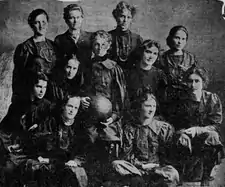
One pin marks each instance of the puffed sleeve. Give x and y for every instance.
(165, 142)
(214, 116)
(20, 56)
(128, 138)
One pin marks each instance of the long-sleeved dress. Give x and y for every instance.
(23, 57)
(145, 144)
(107, 79)
(155, 78)
(123, 48)
(206, 113)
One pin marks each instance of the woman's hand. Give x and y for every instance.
(43, 160)
(108, 121)
(85, 102)
(71, 163)
(14, 148)
(185, 141)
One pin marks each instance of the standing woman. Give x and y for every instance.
(123, 40)
(176, 61)
(37, 45)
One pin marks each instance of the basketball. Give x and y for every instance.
(100, 107)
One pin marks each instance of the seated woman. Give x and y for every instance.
(146, 144)
(25, 115)
(106, 79)
(145, 74)
(174, 62)
(65, 81)
(197, 118)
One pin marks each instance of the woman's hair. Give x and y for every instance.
(173, 31)
(70, 8)
(32, 16)
(201, 72)
(35, 77)
(102, 34)
(66, 99)
(121, 6)
(146, 45)
(36, 64)
(70, 57)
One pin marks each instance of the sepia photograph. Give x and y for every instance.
(112, 93)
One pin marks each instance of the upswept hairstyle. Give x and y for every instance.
(198, 71)
(123, 5)
(71, 7)
(32, 16)
(146, 45)
(173, 31)
(102, 34)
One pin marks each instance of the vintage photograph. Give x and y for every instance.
(112, 93)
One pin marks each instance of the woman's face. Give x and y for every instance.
(71, 68)
(40, 89)
(100, 46)
(195, 83)
(150, 55)
(179, 40)
(148, 108)
(71, 108)
(74, 20)
(40, 25)
(124, 20)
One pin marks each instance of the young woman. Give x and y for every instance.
(197, 118)
(68, 80)
(175, 62)
(146, 146)
(37, 45)
(145, 74)
(124, 42)
(25, 121)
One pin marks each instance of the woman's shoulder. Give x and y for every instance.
(209, 96)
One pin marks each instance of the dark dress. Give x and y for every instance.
(66, 46)
(199, 161)
(59, 86)
(123, 47)
(22, 115)
(174, 66)
(23, 57)
(107, 79)
(145, 144)
(155, 78)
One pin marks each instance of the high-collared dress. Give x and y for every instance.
(23, 56)
(124, 44)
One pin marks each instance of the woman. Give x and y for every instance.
(66, 81)
(124, 42)
(146, 146)
(37, 45)
(175, 62)
(197, 119)
(21, 127)
(146, 74)
(107, 79)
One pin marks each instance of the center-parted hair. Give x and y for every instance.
(172, 33)
(201, 72)
(121, 6)
(32, 16)
(70, 8)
